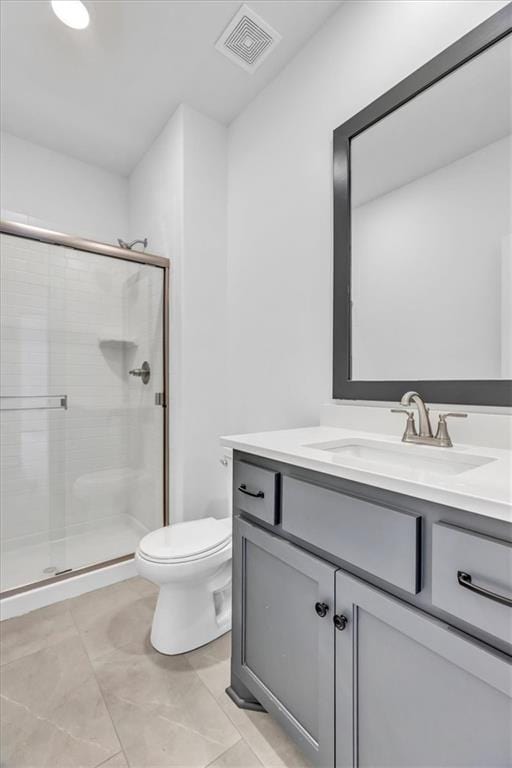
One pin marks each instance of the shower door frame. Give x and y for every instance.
(29, 232)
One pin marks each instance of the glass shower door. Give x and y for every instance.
(82, 438)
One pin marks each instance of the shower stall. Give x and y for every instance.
(83, 395)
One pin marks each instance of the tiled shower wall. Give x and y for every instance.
(74, 323)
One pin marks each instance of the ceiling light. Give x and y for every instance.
(73, 13)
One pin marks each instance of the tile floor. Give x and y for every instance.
(81, 687)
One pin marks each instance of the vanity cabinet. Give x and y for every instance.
(364, 662)
(411, 691)
(283, 648)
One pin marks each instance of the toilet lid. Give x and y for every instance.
(186, 540)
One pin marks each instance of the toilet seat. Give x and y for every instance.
(186, 542)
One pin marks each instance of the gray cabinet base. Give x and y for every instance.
(242, 702)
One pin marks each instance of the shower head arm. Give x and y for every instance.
(129, 246)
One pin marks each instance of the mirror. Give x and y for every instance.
(432, 231)
(423, 232)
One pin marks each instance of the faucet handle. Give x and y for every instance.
(410, 427)
(442, 428)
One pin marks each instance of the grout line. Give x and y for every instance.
(109, 713)
(113, 723)
(121, 752)
(223, 753)
(100, 689)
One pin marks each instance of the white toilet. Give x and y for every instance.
(191, 563)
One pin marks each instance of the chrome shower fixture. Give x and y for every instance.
(129, 246)
(144, 372)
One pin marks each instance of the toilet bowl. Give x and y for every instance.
(190, 562)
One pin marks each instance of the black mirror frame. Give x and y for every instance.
(467, 392)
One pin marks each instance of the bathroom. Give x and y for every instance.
(255, 385)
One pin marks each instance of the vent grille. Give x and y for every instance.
(247, 40)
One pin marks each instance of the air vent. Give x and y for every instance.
(248, 40)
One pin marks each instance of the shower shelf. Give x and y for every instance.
(112, 341)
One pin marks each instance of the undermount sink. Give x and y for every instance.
(384, 457)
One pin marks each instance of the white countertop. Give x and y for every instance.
(486, 490)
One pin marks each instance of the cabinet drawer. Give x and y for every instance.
(488, 562)
(382, 541)
(256, 491)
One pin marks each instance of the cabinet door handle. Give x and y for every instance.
(258, 495)
(340, 622)
(466, 581)
(321, 609)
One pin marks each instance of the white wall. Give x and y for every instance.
(177, 197)
(48, 189)
(426, 277)
(155, 211)
(204, 315)
(280, 199)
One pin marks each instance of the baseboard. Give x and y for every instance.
(39, 597)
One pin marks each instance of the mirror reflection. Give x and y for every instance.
(431, 231)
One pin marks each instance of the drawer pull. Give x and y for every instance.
(321, 609)
(243, 489)
(466, 581)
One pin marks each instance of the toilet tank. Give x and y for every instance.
(227, 464)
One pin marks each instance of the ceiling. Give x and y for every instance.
(103, 94)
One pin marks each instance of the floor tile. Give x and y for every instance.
(118, 761)
(33, 631)
(53, 713)
(212, 663)
(239, 756)
(111, 617)
(162, 712)
(142, 586)
(264, 736)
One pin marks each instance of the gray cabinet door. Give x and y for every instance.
(283, 651)
(411, 691)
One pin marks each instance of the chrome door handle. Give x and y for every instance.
(465, 580)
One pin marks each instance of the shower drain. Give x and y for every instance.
(53, 569)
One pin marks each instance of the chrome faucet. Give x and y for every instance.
(425, 436)
(424, 418)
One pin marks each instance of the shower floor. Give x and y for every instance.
(101, 541)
